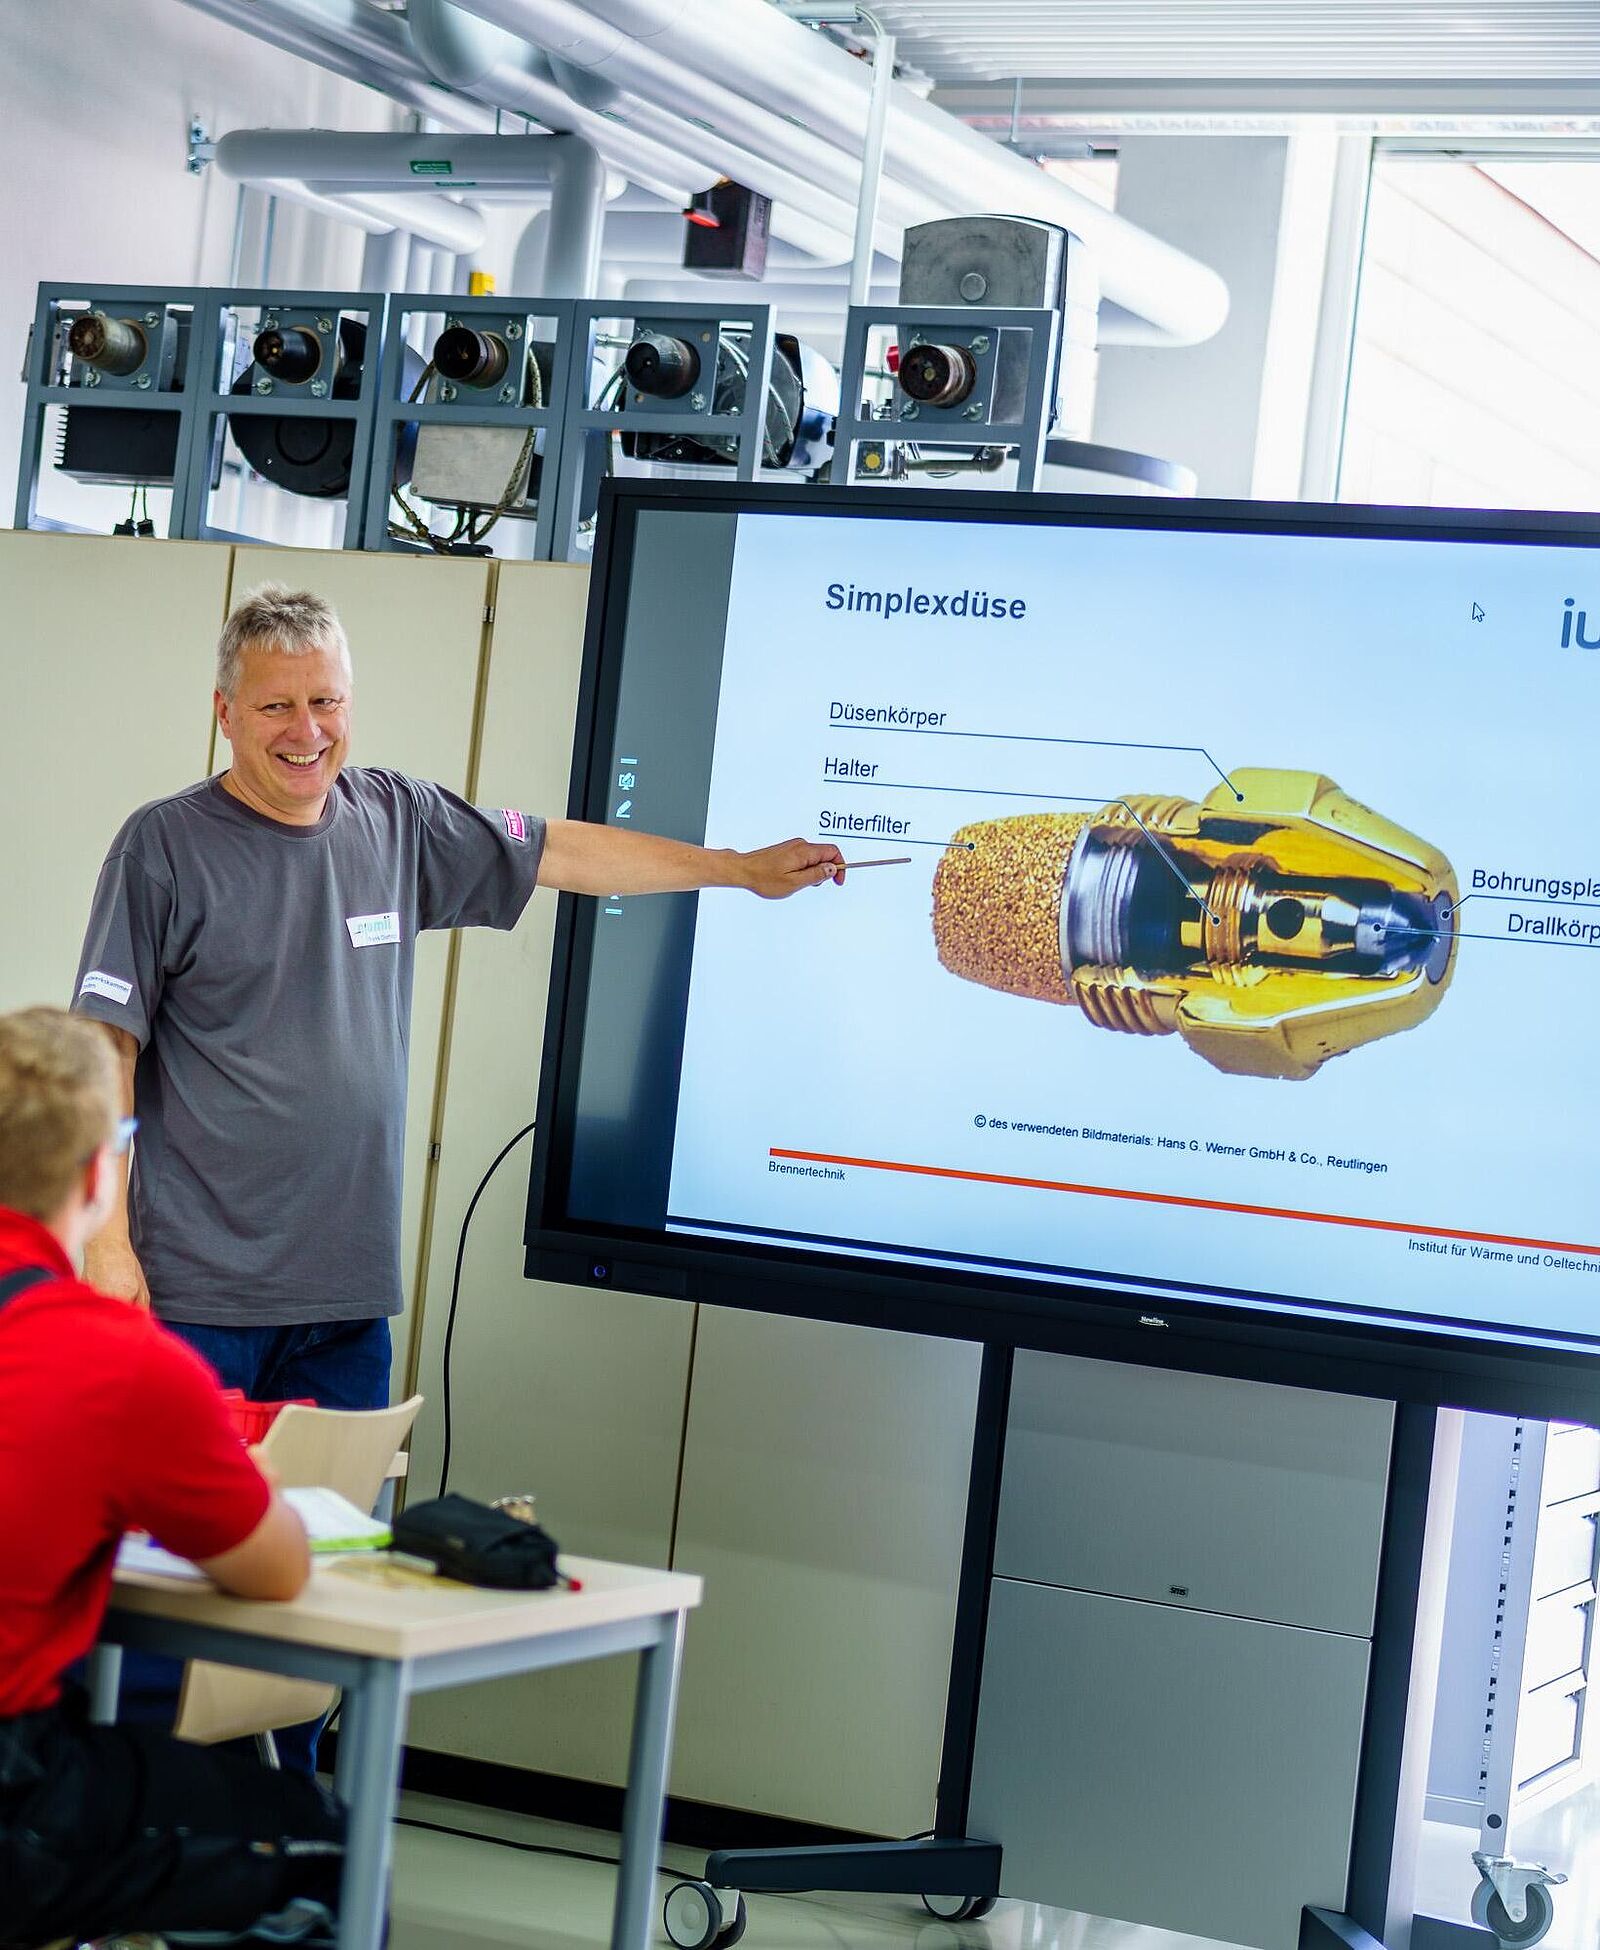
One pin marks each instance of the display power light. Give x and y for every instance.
(1272, 925)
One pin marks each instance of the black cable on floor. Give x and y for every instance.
(525, 1848)
(455, 1295)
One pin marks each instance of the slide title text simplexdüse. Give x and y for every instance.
(979, 605)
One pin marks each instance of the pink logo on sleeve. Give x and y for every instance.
(516, 824)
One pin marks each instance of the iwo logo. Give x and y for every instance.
(1573, 625)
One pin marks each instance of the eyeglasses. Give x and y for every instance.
(126, 1126)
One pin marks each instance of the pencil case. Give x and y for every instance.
(469, 1541)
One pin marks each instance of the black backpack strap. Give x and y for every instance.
(20, 1281)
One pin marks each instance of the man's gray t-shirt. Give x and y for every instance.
(266, 972)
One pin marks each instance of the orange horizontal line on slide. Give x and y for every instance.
(1195, 1204)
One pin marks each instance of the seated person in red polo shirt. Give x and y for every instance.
(109, 1423)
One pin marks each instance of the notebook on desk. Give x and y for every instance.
(333, 1525)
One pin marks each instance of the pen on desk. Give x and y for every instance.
(855, 866)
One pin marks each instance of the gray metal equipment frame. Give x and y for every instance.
(587, 426)
(967, 423)
(208, 345)
(42, 391)
(376, 1694)
(392, 410)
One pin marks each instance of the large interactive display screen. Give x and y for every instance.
(1221, 954)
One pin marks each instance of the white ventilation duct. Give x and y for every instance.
(281, 26)
(799, 93)
(790, 74)
(383, 50)
(779, 158)
(390, 175)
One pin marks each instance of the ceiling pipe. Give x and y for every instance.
(444, 225)
(410, 89)
(467, 48)
(792, 71)
(384, 258)
(385, 173)
(644, 85)
(1153, 293)
(378, 51)
(289, 163)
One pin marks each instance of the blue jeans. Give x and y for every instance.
(336, 1364)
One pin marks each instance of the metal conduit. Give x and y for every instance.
(1153, 293)
(1162, 294)
(645, 84)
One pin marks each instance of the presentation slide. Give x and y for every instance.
(1224, 914)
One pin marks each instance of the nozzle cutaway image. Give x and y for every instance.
(1271, 925)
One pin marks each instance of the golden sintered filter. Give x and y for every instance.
(1272, 925)
(997, 906)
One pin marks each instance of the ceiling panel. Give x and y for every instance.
(982, 40)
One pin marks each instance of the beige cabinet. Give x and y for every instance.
(824, 1493)
(109, 649)
(576, 1396)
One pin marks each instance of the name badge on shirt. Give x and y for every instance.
(372, 930)
(112, 987)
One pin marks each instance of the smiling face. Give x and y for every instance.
(288, 722)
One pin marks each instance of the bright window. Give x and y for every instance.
(1475, 379)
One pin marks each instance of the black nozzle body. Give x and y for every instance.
(115, 345)
(664, 368)
(938, 375)
(469, 357)
(291, 354)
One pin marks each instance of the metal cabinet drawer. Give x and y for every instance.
(1234, 1497)
(1566, 1551)
(1558, 1638)
(1151, 1764)
(1571, 1463)
(1549, 1725)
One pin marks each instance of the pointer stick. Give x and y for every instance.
(901, 860)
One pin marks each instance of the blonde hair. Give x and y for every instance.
(60, 1099)
(290, 621)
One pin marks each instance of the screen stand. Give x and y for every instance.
(963, 1873)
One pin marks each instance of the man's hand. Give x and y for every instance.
(775, 872)
(111, 1265)
(580, 858)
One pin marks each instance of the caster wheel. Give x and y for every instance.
(694, 1917)
(1489, 1913)
(959, 1909)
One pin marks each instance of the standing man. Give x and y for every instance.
(250, 948)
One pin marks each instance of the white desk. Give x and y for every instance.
(383, 1632)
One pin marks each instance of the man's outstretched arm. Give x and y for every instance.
(585, 859)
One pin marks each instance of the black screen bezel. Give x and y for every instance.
(1200, 1332)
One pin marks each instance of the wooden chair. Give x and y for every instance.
(348, 1450)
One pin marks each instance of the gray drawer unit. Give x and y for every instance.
(1571, 1463)
(1560, 1631)
(1155, 1765)
(1549, 1732)
(1512, 1724)
(1223, 1496)
(1565, 1556)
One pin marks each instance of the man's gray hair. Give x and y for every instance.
(290, 621)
